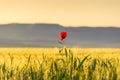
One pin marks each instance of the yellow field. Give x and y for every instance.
(26, 63)
(80, 52)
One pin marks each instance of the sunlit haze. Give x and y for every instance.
(65, 12)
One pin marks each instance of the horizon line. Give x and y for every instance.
(60, 25)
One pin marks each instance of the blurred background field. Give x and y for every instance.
(95, 52)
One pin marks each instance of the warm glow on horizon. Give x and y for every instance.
(64, 12)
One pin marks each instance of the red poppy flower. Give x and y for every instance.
(62, 35)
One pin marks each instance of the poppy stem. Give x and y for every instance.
(62, 46)
(61, 42)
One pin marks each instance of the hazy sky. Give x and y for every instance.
(64, 12)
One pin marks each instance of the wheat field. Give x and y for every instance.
(59, 64)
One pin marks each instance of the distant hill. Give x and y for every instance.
(46, 35)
